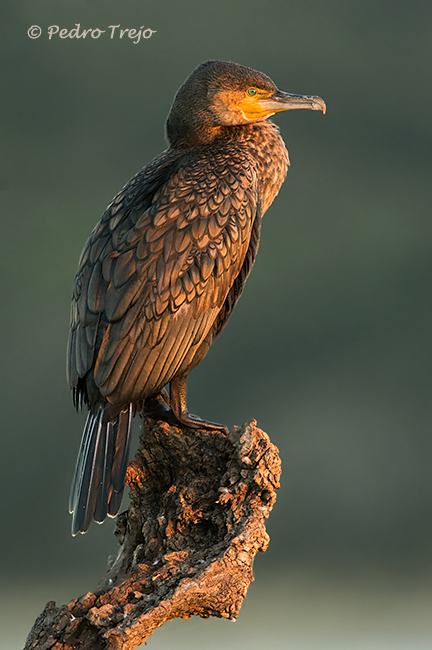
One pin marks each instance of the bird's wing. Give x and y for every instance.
(152, 278)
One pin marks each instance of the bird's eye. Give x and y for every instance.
(251, 92)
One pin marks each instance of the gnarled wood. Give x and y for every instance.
(187, 541)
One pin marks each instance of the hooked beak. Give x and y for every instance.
(281, 101)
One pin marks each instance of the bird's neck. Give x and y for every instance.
(265, 144)
(260, 141)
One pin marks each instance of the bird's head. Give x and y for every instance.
(219, 94)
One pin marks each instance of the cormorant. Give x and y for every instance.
(162, 270)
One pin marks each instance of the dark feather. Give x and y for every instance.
(101, 468)
(96, 290)
(80, 460)
(86, 473)
(124, 269)
(115, 502)
(101, 503)
(122, 446)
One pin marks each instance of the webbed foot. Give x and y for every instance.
(178, 406)
(195, 422)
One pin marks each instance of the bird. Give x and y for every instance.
(163, 269)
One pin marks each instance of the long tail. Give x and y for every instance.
(98, 483)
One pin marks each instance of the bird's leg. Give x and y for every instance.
(178, 407)
(157, 407)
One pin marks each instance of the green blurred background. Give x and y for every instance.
(329, 347)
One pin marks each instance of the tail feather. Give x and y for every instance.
(92, 474)
(79, 464)
(87, 473)
(98, 483)
(121, 457)
(101, 504)
(115, 502)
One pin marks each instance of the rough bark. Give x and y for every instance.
(187, 541)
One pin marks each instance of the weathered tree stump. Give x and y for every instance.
(187, 541)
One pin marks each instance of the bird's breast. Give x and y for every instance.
(270, 154)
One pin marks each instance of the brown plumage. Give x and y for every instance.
(164, 267)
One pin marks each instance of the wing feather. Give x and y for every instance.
(157, 270)
(124, 269)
